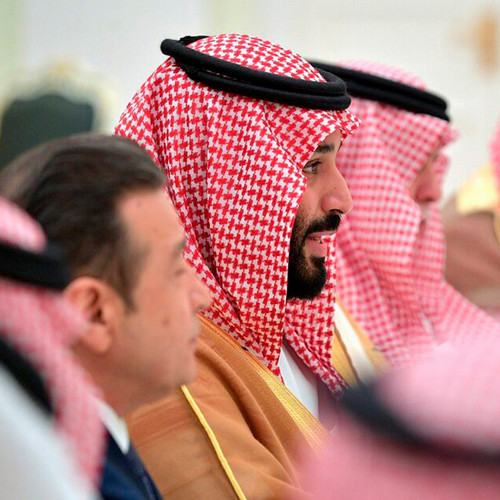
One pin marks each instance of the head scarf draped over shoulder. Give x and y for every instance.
(390, 271)
(41, 326)
(234, 167)
(448, 406)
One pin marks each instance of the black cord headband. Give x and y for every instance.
(376, 88)
(363, 403)
(230, 77)
(25, 374)
(42, 269)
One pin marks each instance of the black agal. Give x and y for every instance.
(230, 77)
(376, 88)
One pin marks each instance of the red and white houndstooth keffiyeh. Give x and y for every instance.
(234, 166)
(41, 325)
(390, 273)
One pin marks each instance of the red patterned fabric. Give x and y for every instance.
(234, 169)
(451, 400)
(390, 267)
(41, 325)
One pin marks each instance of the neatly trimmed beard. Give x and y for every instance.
(307, 277)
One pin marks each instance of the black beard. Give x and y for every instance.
(306, 278)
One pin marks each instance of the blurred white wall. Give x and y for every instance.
(9, 37)
(436, 40)
(119, 39)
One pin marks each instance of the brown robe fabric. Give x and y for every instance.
(263, 430)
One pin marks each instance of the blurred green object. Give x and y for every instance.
(28, 122)
(63, 98)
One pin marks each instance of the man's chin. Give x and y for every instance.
(308, 285)
(426, 210)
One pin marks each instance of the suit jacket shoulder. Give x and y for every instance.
(119, 480)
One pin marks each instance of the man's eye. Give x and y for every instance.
(311, 168)
(180, 269)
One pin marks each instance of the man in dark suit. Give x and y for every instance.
(101, 199)
(118, 482)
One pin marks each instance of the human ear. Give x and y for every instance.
(95, 300)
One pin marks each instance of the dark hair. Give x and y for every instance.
(71, 186)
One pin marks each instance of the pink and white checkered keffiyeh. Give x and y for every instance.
(234, 169)
(41, 325)
(390, 271)
(450, 400)
(495, 153)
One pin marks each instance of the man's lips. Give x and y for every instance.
(195, 334)
(193, 342)
(316, 243)
(320, 235)
(425, 211)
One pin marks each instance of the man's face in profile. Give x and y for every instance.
(160, 334)
(325, 200)
(425, 188)
(307, 274)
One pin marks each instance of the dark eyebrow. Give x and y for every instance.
(178, 249)
(326, 148)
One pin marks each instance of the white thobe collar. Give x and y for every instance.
(115, 425)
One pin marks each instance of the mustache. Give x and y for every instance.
(329, 223)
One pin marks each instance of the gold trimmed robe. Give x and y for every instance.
(236, 432)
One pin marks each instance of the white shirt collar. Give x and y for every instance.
(299, 379)
(115, 425)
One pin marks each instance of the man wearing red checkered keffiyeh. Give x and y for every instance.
(238, 170)
(390, 250)
(471, 221)
(38, 325)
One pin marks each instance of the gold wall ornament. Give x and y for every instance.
(482, 34)
(479, 193)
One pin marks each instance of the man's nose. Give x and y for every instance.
(201, 297)
(336, 196)
(428, 189)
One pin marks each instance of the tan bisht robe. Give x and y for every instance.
(236, 432)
